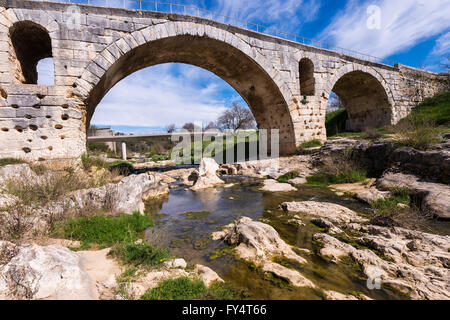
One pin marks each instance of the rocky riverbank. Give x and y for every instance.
(385, 251)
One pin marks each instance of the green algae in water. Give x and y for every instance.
(196, 215)
(220, 252)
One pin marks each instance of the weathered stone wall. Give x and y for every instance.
(95, 48)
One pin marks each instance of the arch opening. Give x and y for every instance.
(360, 97)
(240, 71)
(31, 43)
(307, 82)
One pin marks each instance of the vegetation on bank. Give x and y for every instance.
(120, 167)
(397, 210)
(101, 230)
(140, 254)
(338, 169)
(191, 289)
(419, 130)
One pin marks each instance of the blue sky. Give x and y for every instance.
(411, 32)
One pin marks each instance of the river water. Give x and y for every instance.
(184, 221)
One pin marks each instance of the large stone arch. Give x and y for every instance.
(205, 46)
(365, 94)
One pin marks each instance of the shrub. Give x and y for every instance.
(142, 254)
(103, 231)
(88, 162)
(288, 176)
(124, 168)
(416, 131)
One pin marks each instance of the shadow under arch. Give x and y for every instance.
(366, 100)
(232, 65)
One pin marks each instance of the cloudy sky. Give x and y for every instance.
(412, 32)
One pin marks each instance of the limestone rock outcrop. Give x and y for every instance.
(206, 176)
(259, 242)
(45, 272)
(413, 262)
(331, 211)
(272, 185)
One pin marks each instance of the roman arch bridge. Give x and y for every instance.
(285, 83)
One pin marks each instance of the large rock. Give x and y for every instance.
(275, 186)
(256, 240)
(207, 275)
(260, 243)
(435, 196)
(331, 211)
(123, 197)
(206, 176)
(49, 272)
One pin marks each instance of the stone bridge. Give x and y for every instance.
(285, 83)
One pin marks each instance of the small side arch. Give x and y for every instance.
(366, 96)
(31, 43)
(307, 81)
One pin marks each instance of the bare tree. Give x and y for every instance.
(210, 125)
(446, 63)
(334, 103)
(170, 128)
(236, 117)
(189, 126)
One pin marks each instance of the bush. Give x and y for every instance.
(88, 162)
(288, 176)
(417, 132)
(186, 289)
(140, 254)
(124, 168)
(103, 231)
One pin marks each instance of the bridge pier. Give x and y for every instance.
(124, 150)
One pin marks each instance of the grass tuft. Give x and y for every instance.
(140, 254)
(187, 289)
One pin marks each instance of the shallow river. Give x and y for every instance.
(184, 221)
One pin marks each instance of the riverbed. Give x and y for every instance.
(184, 221)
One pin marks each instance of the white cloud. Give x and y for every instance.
(287, 15)
(404, 23)
(442, 46)
(164, 94)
